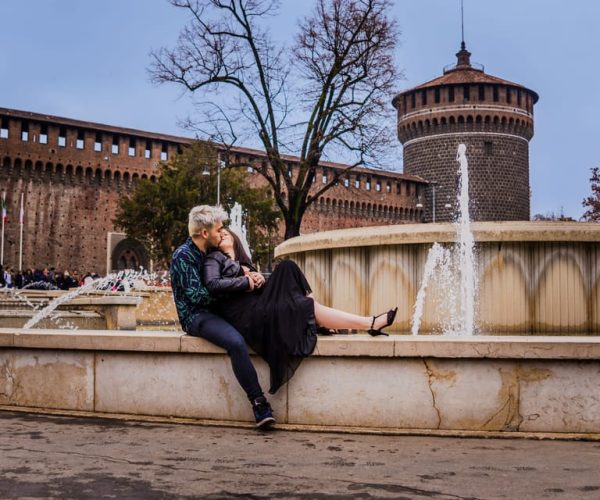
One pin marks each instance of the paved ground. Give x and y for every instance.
(66, 457)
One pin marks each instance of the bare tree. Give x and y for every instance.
(592, 202)
(328, 96)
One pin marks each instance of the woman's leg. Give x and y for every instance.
(336, 319)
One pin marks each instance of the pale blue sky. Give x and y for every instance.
(87, 59)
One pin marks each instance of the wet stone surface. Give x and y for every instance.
(66, 457)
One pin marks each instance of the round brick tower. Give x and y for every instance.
(493, 117)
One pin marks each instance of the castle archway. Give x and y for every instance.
(129, 254)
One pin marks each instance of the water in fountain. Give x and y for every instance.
(452, 270)
(238, 227)
(437, 257)
(123, 280)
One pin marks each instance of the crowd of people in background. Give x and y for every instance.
(44, 279)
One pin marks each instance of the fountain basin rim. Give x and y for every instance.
(403, 234)
(356, 345)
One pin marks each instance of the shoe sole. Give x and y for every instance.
(265, 423)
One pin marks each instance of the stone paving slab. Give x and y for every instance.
(65, 457)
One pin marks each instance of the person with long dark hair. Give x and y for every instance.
(193, 303)
(277, 318)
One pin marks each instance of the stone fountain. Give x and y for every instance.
(518, 278)
(530, 370)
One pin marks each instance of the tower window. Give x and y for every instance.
(404, 101)
(98, 142)
(346, 182)
(368, 184)
(115, 145)
(508, 96)
(378, 185)
(4, 128)
(131, 149)
(80, 139)
(164, 152)
(519, 97)
(466, 92)
(43, 133)
(496, 95)
(357, 182)
(413, 100)
(488, 148)
(424, 97)
(324, 177)
(148, 150)
(388, 187)
(436, 93)
(24, 131)
(62, 137)
(481, 92)
(451, 94)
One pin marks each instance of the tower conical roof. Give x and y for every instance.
(464, 72)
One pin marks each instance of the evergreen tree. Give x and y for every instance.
(156, 213)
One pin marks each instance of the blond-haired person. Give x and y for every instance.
(193, 300)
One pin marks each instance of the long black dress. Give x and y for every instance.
(277, 321)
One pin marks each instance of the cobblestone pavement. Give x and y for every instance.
(67, 457)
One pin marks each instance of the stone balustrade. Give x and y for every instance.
(492, 385)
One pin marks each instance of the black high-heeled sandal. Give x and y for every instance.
(391, 315)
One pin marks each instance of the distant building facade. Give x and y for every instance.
(72, 174)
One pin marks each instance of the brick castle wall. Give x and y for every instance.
(498, 175)
(66, 218)
(72, 174)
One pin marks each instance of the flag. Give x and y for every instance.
(4, 211)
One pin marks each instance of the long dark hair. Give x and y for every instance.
(240, 253)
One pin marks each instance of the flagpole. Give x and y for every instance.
(3, 218)
(21, 239)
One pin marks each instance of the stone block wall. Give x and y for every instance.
(498, 174)
(66, 218)
(72, 174)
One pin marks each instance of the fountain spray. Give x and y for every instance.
(453, 269)
(466, 244)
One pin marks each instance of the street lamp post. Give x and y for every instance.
(206, 171)
(218, 179)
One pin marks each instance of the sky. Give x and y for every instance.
(88, 60)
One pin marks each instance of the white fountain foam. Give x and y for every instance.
(123, 278)
(434, 257)
(466, 247)
(452, 271)
(238, 227)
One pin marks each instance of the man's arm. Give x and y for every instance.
(186, 275)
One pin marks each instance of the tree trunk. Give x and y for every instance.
(292, 226)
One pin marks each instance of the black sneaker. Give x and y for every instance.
(263, 413)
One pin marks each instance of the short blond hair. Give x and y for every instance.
(204, 217)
